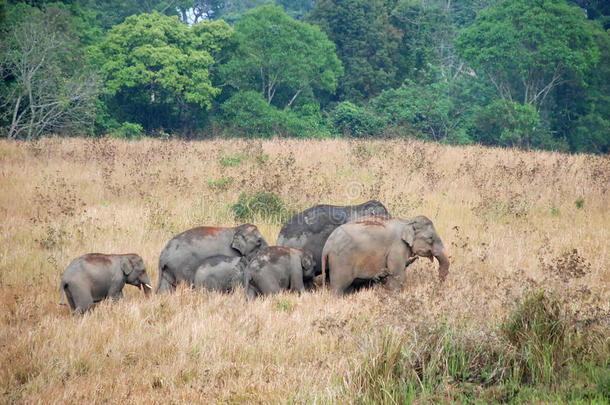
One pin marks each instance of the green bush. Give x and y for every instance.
(351, 120)
(127, 130)
(261, 206)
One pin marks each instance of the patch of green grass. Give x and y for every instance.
(221, 183)
(529, 358)
(234, 160)
(261, 206)
(580, 203)
(283, 304)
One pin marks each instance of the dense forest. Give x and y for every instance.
(522, 73)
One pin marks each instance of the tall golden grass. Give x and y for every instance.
(511, 220)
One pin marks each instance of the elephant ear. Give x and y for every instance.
(239, 242)
(307, 261)
(408, 235)
(127, 266)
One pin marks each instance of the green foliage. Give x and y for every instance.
(351, 120)
(425, 110)
(580, 203)
(247, 114)
(366, 44)
(281, 57)
(231, 160)
(127, 130)
(221, 183)
(512, 124)
(261, 206)
(533, 356)
(538, 332)
(528, 48)
(160, 68)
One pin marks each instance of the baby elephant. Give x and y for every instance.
(220, 273)
(95, 276)
(276, 268)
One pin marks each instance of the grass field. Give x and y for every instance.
(524, 314)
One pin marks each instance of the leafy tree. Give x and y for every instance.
(45, 84)
(247, 114)
(113, 12)
(157, 69)
(366, 44)
(510, 123)
(281, 57)
(351, 120)
(527, 49)
(425, 110)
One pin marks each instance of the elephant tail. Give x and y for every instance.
(68, 294)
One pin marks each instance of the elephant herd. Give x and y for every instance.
(350, 246)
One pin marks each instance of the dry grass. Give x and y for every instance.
(511, 220)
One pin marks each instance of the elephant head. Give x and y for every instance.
(419, 234)
(308, 265)
(134, 270)
(248, 240)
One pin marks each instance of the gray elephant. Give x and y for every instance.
(277, 268)
(220, 273)
(378, 249)
(185, 252)
(309, 229)
(96, 276)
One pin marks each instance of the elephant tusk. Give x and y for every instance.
(148, 285)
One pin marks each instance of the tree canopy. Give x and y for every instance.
(521, 73)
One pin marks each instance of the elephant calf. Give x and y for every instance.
(220, 273)
(95, 276)
(276, 268)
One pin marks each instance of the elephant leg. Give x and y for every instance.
(396, 273)
(251, 291)
(165, 285)
(82, 299)
(340, 283)
(267, 285)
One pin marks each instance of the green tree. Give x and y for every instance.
(281, 58)
(157, 69)
(528, 48)
(367, 44)
(45, 85)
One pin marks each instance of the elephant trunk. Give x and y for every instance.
(443, 265)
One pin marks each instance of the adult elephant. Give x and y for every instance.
(309, 229)
(183, 254)
(96, 276)
(378, 248)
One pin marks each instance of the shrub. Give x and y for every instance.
(267, 207)
(537, 331)
(349, 119)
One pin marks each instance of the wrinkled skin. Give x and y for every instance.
(95, 276)
(309, 229)
(220, 273)
(185, 252)
(379, 249)
(277, 268)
